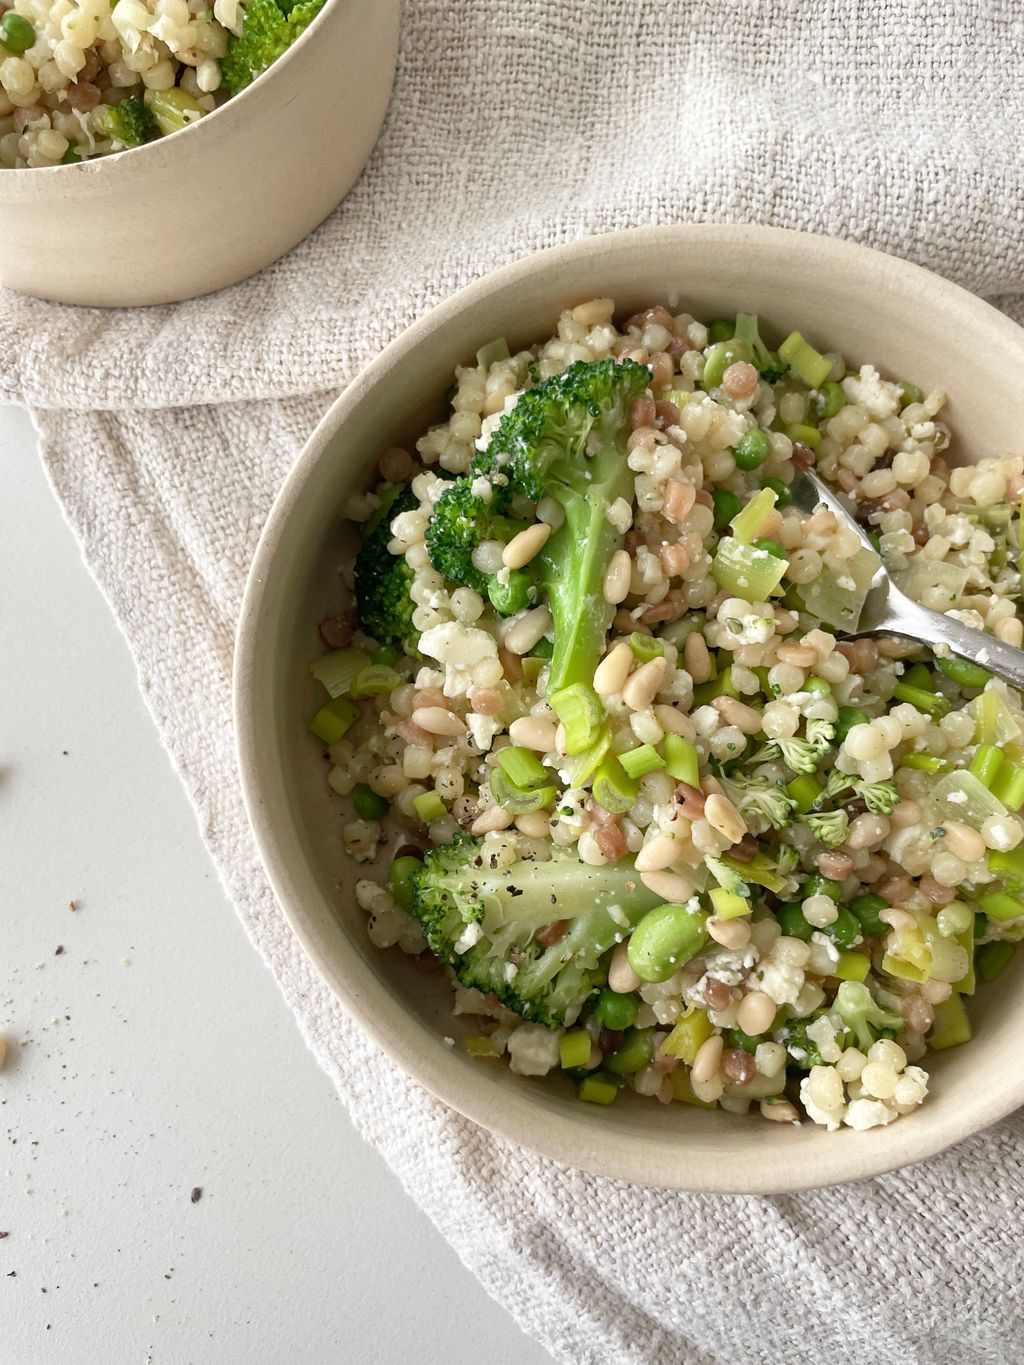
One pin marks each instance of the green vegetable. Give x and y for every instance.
(925, 763)
(518, 800)
(579, 709)
(512, 595)
(849, 716)
(337, 669)
(130, 123)
(768, 365)
(384, 580)
(782, 493)
(173, 109)
(756, 796)
(746, 571)
(1008, 785)
(844, 931)
(681, 760)
(635, 1053)
(721, 330)
(667, 937)
(952, 1026)
(456, 888)
(932, 703)
(985, 764)
(645, 647)
(804, 434)
(522, 767)
(862, 1015)
(771, 547)
(829, 400)
(960, 796)
(597, 1089)
(375, 680)
(491, 353)
(851, 966)
(429, 806)
(16, 33)
(613, 790)
(749, 520)
(752, 449)
(964, 673)
(639, 762)
(833, 600)
(565, 439)
(574, 1048)
(991, 958)
(719, 357)
(268, 30)
(910, 393)
(866, 909)
(332, 721)
(739, 877)
(616, 1011)
(368, 805)
(992, 719)
(1001, 905)
(726, 505)
(803, 1051)
(817, 885)
(727, 905)
(805, 791)
(793, 922)
(400, 879)
(71, 157)
(807, 363)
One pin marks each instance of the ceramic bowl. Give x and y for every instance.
(219, 200)
(873, 308)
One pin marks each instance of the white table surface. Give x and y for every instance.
(150, 1053)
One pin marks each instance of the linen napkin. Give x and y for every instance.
(167, 432)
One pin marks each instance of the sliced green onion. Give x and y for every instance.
(1008, 865)
(491, 353)
(597, 1089)
(429, 806)
(479, 1045)
(645, 647)
(747, 522)
(931, 703)
(952, 1026)
(368, 805)
(991, 958)
(374, 680)
(638, 762)
(806, 435)
(1001, 905)
(985, 764)
(722, 686)
(746, 571)
(334, 720)
(728, 905)
(579, 768)
(1008, 785)
(513, 799)
(964, 673)
(613, 790)
(522, 767)
(579, 709)
(400, 875)
(925, 763)
(806, 363)
(574, 1048)
(805, 791)
(681, 760)
(851, 966)
(829, 401)
(337, 669)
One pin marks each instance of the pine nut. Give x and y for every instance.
(1010, 631)
(675, 722)
(697, 657)
(672, 885)
(534, 824)
(642, 686)
(736, 713)
(731, 933)
(522, 548)
(437, 720)
(661, 852)
(721, 814)
(778, 1111)
(756, 1011)
(533, 732)
(617, 578)
(494, 817)
(964, 842)
(613, 670)
(524, 633)
(621, 976)
(708, 1060)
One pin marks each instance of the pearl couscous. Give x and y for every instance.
(80, 78)
(665, 829)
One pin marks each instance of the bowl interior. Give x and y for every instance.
(872, 308)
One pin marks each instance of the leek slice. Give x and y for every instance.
(960, 796)
(746, 571)
(839, 601)
(337, 669)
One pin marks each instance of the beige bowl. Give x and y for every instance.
(216, 202)
(872, 307)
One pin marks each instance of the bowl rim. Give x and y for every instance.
(352, 980)
(91, 164)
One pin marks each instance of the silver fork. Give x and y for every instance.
(889, 611)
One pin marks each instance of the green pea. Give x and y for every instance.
(848, 717)
(782, 493)
(867, 909)
(752, 449)
(817, 885)
(71, 157)
(910, 393)
(963, 673)
(368, 805)
(792, 922)
(726, 506)
(666, 938)
(844, 931)
(386, 655)
(772, 547)
(720, 356)
(635, 1053)
(815, 684)
(16, 33)
(400, 875)
(876, 541)
(721, 330)
(829, 401)
(616, 1011)
(508, 598)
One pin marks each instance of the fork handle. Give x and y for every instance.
(908, 619)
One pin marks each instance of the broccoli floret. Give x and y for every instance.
(797, 754)
(829, 826)
(268, 29)
(130, 122)
(768, 364)
(460, 521)
(881, 798)
(756, 796)
(565, 439)
(803, 1051)
(863, 1016)
(820, 734)
(384, 580)
(484, 921)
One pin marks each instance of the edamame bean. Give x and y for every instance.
(666, 938)
(634, 1054)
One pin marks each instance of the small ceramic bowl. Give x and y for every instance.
(219, 200)
(870, 306)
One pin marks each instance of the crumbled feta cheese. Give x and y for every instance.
(878, 398)
(863, 1114)
(470, 936)
(533, 1050)
(483, 729)
(460, 648)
